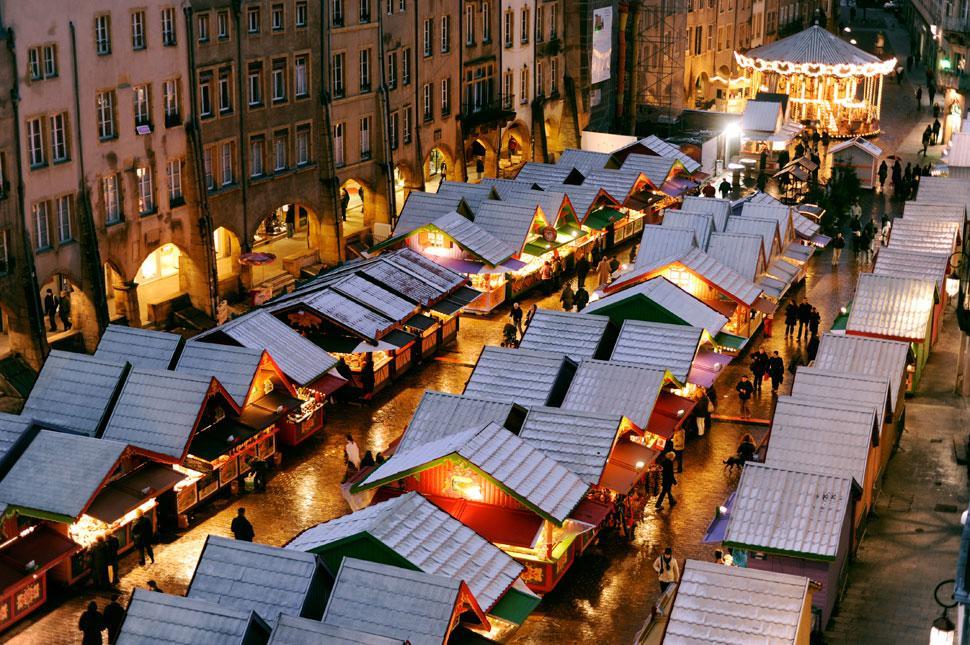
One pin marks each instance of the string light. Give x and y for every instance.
(843, 70)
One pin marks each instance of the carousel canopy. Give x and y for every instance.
(814, 52)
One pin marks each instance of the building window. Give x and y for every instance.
(210, 179)
(102, 34)
(170, 96)
(64, 233)
(33, 64)
(540, 23)
(255, 84)
(337, 14)
(203, 27)
(507, 28)
(507, 89)
(138, 30)
(146, 190)
(50, 61)
(256, 157)
(279, 80)
(524, 26)
(42, 225)
(222, 25)
(540, 79)
(35, 143)
(445, 33)
(168, 27)
(553, 21)
(112, 205)
(173, 177)
(427, 37)
(228, 155)
(365, 70)
(141, 103)
(445, 96)
(276, 16)
(106, 115)
(406, 67)
(280, 144)
(338, 75)
(58, 124)
(402, 5)
(392, 135)
(392, 70)
(486, 22)
(302, 145)
(554, 69)
(469, 24)
(252, 20)
(301, 9)
(300, 87)
(406, 130)
(205, 96)
(338, 145)
(524, 86)
(365, 137)
(364, 11)
(428, 113)
(225, 91)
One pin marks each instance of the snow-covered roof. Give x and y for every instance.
(577, 335)
(892, 307)
(608, 387)
(659, 346)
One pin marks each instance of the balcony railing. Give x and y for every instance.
(488, 113)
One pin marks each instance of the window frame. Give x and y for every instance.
(257, 157)
(139, 106)
(145, 185)
(277, 10)
(41, 233)
(169, 37)
(363, 70)
(102, 41)
(445, 106)
(445, 34)
(36, 153)
(139, 39)
(278, 81)
(303, 134)
(202, 27)
(281, 136)
(222, 25)
(253, 20)
(227, 158)
(364, 137)
(301, 7)
(299, 61)
(105, 108)
(63, 209)
(111, 196)
(49, 65)
(173, 181)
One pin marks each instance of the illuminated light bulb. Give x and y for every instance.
(640, 465)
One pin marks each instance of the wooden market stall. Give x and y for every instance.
(862, 156)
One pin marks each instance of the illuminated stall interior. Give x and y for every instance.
(828, 81)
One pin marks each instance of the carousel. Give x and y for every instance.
(830, 83)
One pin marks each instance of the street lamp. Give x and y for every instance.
(943, 630)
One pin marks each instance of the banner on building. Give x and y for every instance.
(602, 44)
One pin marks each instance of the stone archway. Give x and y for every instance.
(480, 159)
(439, 163)
(405, 181)
(164, 278)
(291, 234)
(80, 314)
(516, 147)
(227, 249)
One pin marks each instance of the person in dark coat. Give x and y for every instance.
(581, 299)
(812, 349)
(289, 218)
(614, 264)
(759, 365)
(153, 586)
(566, 298)
(582, 270)
(791, 318)
(883, 173)
(112, 546)
(897, 174)
(776, 371)
(919, 99)
(516, 316)
(260, 468)
(91, 623)
(799, 150)
(745, 390)
(142, 534)
(344, 202)
(746, 449)
(936, 132)
(241, 528)
(98, 560)
(927, 133)
(814, 321)
(804, 316)
(64, 309)
(667, 481)
(50, 309)
(724, 188)
(114, 616)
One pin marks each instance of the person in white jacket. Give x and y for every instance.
(668, 571)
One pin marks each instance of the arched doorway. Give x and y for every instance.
(403, 184)
(437, 166)
(227, 250)
(479, 160)
(702, 90)
(352, 199)
(515, 149)
(286, 234)
(64, 306)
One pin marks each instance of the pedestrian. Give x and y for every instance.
(614, 264)
(883, 173)
(804, 315)
(633, 252)
(746, 449)
(98, 561)
(936, 132)
(50, 309)
(927, 133)
(545, 277)
(759, 365)
(352, 452)
(769, 323)
(825, 140)
(143, 534)
(344, 203)
(724, 188)
(91, 623)
(837, 245)
(290, 220)
(667, 481)
(242, 528)
(603, 271)
(114, 616)
(153, 586)
(709, 191)
(557, 270)
(64, 309)
(899, 75)
(791, 318)
(260, 468)
(529, 315)
(702, 411)
(112, 547)
(855, 210)
(799, 150)
(566, 297)
(668, 571)
(865, 245)
(919, 99)
(581, 299)
(897, 173)
(814, 321)
(776, 371)
(679, 441)
(927, 171)
(582, 270)
(931, 88)
(886, 228)
(516, 316)
(908, 173)
(812, 349)
(745, 390)
(368, 460)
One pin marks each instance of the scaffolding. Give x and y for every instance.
(661, 56)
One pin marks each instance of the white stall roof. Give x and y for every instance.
(890, 307)
(720, 209)
(290, 630)
(702, 224)
(583, 160)
(943, 190)
(421, 208)
(578, 335)
(661, 148)
(743, 253)
(440, 414)
(473, 194)
(959, 154)
(580, 441)
(234, 367)
(847, 387)
(523, 376)
(946, 211)
(761, 117)
(778, 212)
(656, 169)
(898, 262)
(508, 221)
(925, 234)
(154, 350)
(872, 356)
(608, 387)
(163, 619)
(659, 346)
(859, 142)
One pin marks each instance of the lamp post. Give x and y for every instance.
(943, 630)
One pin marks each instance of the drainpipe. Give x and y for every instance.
(90, 254)
(327, 155)
(386, 118)
(193, 128)
(28, 278)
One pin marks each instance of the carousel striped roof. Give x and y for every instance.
(814, 45)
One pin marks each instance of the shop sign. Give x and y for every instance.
(28, 597)
(534, 574)
(549, 233)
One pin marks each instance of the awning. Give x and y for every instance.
(514, 527)
(420, 322)
(665, 418)
(258, 417)
(515, 606)
(333, 343)
(219, 439)
(798, 252)
(820, 240)
(367, 347)
(399, 338)
(132, 490)
(459, 265)
(592, 512)
(621, 473)
(328, 384)
(730, 341)
(600, 219)
(540, 246)
(717, 529)
(447, 307)
(677, 186)
(707, 367)
(43, 546)
(765, 306)
(465, 295)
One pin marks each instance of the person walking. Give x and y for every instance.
(746, 449)
(702, 411)
(50, 309)
(724, 188)
(529, 315)
(931, 89)
(603, 271)
(927, 133)
(112, 547)
(114, 616)
(289, 218)
(776, 371)
(557, 270)
(804, 315)
(791, 318)
(545, 277)
(582, 270)
(516, 316)
(679, 442)
(143, 534)
(614, 264)
(814, 321)
(745, 390)
(667, 481)
(98, 561)
(759, 365)
(919, 99)
(883, 173)
(566, 297)
(897, 174)
(260, 468)
(91, 624)
(581, 299)
(242, 528)
(668, 571)
(352, 452)
(936, 132)
(64, 309)
(812, 350)
(837, 245)
(344, 203)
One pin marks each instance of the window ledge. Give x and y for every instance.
(153, 211)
